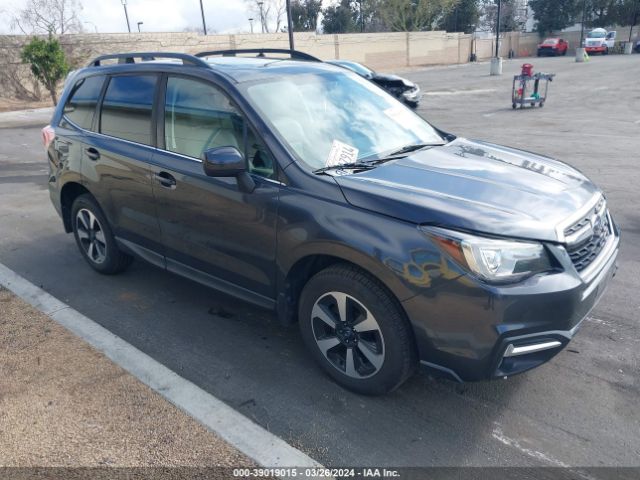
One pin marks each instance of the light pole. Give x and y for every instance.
(498, 31)
(124, 4)
(636, 12)
(261, 15)
(139, 23)
(204, 24)
(496, 62)
(251, 23)
(290, 25)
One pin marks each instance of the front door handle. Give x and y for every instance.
(92, 153)
(166, 180)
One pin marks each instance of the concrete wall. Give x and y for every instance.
(384, 51)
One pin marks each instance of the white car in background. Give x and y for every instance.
(600, 41)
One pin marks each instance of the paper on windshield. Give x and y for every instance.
(341, 153)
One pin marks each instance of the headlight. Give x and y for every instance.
(491, 259)
(408, 84)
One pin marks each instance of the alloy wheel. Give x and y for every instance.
(91, 236)
(348, 335)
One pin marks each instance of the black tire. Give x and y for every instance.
(105, 256)
(565, 52)
(393, 340)
(606, 51)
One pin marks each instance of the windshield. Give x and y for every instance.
(596, 35)
(331, 115)
(550, 41)
(358, 68)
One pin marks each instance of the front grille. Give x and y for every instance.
(585, 252)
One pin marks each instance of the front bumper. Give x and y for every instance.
(547, 51)
(595, 49)
(474, 331)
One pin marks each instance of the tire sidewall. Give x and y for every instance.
(392, 373)
(88, 203)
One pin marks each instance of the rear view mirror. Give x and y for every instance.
(228, 162)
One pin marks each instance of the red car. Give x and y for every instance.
(553, 46)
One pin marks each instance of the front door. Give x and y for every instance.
(211, 230)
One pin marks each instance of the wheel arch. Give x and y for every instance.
(69, 192)
(305, 266)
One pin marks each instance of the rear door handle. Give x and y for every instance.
(92, 153)
(166, 180)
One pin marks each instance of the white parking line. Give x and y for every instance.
(460, 92)
(263, 447)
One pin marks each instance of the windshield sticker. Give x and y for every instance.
(341, 154)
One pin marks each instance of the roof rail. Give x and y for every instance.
(294, 54)
(147, 56)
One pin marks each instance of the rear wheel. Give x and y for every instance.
(356, 331)
(94, 237)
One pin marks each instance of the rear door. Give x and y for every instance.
(211, 230)
(117, 159)
(77, 119)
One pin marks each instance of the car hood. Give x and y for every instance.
(391, 79)
(472, 185)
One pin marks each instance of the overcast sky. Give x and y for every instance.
(222, 16)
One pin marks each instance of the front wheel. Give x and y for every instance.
(606, 51)
(94, 237)
(356, 331)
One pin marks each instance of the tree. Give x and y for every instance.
(340, 18)
(48, 63)
(270, 13)
(463, 17)
(415, 15)
(512, 15)
(554, 15)
(304, 14)
(55, 17)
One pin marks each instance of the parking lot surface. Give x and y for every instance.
(579, 410)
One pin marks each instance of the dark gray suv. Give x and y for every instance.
(300, 187)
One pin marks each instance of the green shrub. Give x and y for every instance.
(48, 63)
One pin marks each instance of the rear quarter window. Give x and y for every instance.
(127, 106)
(81, 105)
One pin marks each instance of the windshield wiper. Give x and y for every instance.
(369, 164)
(346, 166)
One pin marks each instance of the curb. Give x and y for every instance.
(263, 447)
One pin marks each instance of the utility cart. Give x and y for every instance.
(530, 88)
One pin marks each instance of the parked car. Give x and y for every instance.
(553, 46)
(302, 188)
(638, 46)
(600, 41)
(401, 88)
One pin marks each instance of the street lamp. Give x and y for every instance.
(204, 24)
(261, 16)
(251, 23)
(139, 23)
(124, 4)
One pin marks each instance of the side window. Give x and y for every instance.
(82, 102)
(127, 106)
(199, 116)
(260, 160)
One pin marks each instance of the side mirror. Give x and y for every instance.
(228, 162)
(223, 162)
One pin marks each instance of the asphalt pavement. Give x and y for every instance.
(579, 410)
